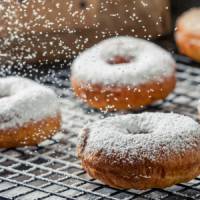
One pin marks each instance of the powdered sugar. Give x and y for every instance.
(189, 21)
(149, 62)
(23, 100)
(142, 136)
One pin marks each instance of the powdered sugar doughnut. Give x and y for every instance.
(141, 151)
(188, 33)
(29, 112)
(123, 73)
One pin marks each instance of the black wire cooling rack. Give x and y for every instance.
(51, 170)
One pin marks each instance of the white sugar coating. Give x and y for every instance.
(189, 21)
(149, 62)
(141, 136)
(23, 100)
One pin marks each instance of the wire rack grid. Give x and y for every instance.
(51, 170)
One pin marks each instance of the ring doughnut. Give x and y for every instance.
(141, 151)
(187, 35)
(29, 112)
(123, 73)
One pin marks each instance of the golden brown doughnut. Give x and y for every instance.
(123, 73)
(141, 151)
(124, 98)
(30, 133)
(29, 112)
(187, 35)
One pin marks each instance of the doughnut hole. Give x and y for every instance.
(119, 60)
(137, 132)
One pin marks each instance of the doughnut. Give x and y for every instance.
(141, 151)
(187, 35)
(29, 112)
(123, 73)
